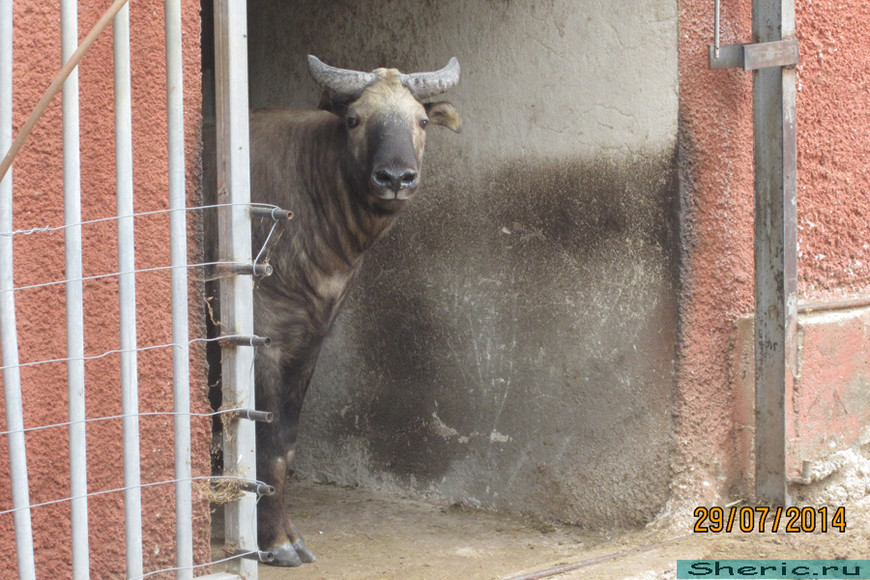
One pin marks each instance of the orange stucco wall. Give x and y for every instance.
(38, 200)
(833, 110)
(829, 401)
(716, 163)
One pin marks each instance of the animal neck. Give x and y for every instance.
(348, 221)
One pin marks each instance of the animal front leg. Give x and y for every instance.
(283, 374)
(295, 538)
(276, 533)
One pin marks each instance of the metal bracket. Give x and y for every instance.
(276, 213)
(234, 484)
(753, 56)
(254, 415)
(235, 340)
(257, 555)
(257, 487)
(256, 270)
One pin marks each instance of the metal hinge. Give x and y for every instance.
(751, 56)
(754, 56)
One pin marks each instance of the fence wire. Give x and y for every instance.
(209, 478)
(267, 211)
(116, 417)
(48, 229)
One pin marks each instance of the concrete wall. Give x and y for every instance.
(511, 343)
(38, 201)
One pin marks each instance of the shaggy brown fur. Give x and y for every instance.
(346, 174)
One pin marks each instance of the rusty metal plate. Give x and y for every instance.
(754, 56)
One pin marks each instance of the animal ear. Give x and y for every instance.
(445, 114)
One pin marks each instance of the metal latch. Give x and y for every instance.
(751, 56)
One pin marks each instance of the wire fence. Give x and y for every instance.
(228, 485)
(273, 211)
(234, 255)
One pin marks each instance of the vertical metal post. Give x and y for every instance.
(75, 328)
(127, 291)
(8, 331)
(775, 249)
(236, 297)
(178, 259)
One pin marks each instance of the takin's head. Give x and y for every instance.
(385, 117)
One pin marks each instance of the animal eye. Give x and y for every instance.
(351, 121)
(424, 122)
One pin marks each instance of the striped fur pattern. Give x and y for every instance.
(346, 173)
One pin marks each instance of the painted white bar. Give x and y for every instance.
(178, 258)
(236, 297)
(8, 331)
(75, 329)
(127, 291)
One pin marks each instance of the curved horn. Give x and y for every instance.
(338, 81)
(428, 84)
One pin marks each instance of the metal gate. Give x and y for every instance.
(236, 296)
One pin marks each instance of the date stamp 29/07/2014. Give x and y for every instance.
(746, 519)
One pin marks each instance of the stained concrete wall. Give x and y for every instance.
(38, 202)
(511, 343)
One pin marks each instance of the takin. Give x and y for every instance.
(345, 171)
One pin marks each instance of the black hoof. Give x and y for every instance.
(303, 552)
(291, 555)
(285, 555)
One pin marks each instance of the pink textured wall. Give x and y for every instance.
(38, 195)
(716, 162)
(830, 401)
(829, 404)
(833, 110)
(716, 158)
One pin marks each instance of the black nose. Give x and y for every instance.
(395, 179)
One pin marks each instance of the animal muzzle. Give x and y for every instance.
(395, 180)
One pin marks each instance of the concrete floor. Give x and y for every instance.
(358, 535)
